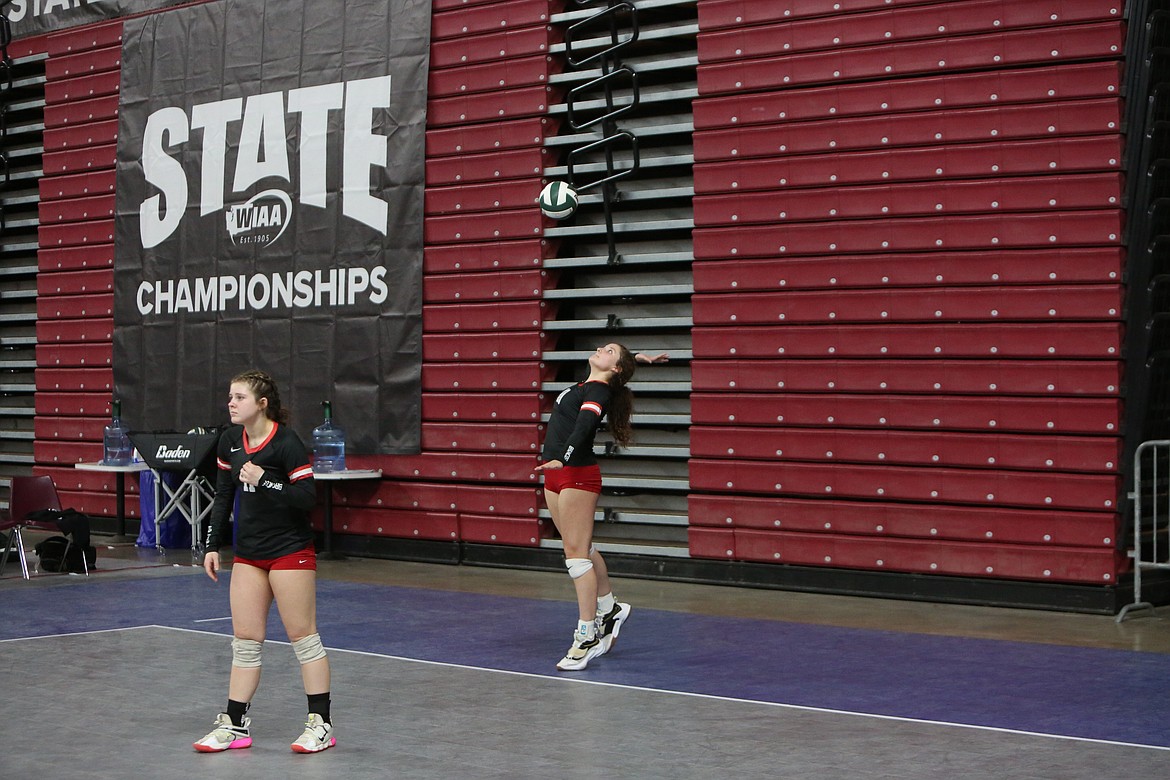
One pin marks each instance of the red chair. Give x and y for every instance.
(26, 496)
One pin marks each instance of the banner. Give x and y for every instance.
(33, 17)
(269, 213)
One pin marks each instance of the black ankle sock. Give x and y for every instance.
(236, 710)
(319, 703)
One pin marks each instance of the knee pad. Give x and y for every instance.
(578, 567)
(246, 653)
(309, 649)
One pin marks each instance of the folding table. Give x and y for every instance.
(190, 454)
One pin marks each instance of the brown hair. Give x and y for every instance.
(621, 401)
(262, 386)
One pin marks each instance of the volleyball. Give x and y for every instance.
(557, 200)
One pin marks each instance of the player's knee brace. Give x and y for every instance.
(309, 649)
(578, 567)
(246, 653)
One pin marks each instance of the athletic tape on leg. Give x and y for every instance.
(246, 653)
(309, 649)
(578, 567)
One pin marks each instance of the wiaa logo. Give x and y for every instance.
(261, 220)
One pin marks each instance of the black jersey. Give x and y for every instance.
(274, 515)
(573, 423)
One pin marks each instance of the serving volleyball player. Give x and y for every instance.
(275, 559)
(572, 484)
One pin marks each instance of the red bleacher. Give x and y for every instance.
(472, 139)
(922, 234)
(891, 377)
(922, 521)
(487, 376)
(1027, 86)
(1038, 452)
(76, 209)
(514, 315)
(491, 76)
(721, 14)
(908, 302)
(489, 17)
(52, 307)
(921, 129)
(512, 194)
(501, 286)
(994, 50)
(993, 415)
(892, 25)
(75, 301)
(480, 437)
(90, 134)
(983, 196)
(964, 304)
(939, 485)
(992, 160)
(482, 256)
(486, 47)
(1061, 265)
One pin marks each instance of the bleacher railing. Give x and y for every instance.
(1151, 517)
(614, 76)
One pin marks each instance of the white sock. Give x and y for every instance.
(586, 630)
(605, 603)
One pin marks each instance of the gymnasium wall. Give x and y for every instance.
(908, 285)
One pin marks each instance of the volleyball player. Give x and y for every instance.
(275, 559)
(572, 484)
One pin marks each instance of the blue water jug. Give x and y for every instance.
(328, 444)
(116, 447)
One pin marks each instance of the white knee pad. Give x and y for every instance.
(578, 567)
(309, 649)
(246, 653)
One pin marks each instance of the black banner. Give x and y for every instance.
(33, 17)
(269, 213)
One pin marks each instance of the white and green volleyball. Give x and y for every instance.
(557, 200)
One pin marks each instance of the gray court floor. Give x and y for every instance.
(128, 703)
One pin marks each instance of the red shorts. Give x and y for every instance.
(305, 559)
(575, 477)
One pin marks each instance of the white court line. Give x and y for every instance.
(713, 697)
(75, 633)
(212, 620)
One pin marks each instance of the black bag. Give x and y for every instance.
(57, 554)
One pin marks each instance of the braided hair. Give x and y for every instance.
(263, 386)
(621, 401)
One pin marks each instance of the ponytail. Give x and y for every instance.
(621, 400)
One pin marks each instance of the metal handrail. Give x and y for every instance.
(607, 144)
(616, 43)
(610, 70)
(613, 112)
